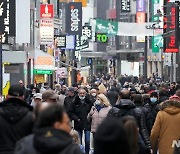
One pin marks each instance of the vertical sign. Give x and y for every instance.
(125, 6)
(140, 6)
(157, 41)
(46, 24)
(7, 19)
(170, 26)
(74, 18)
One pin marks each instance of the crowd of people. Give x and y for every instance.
(122, 116)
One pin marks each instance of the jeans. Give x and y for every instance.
(87, 139)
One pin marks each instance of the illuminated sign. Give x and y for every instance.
(170, 28)
(46, 11)
(42, 71)
(101, 38)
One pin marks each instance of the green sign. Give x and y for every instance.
(102, 38)
(106, 26)
(157, 41)
(42, 72)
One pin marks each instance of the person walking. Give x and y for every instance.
(98, 112)
(51, 135)
(16, 119)
(78, 112)
(166, 127)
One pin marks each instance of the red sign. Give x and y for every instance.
(46, 11)
(170, 28)
(140, 17)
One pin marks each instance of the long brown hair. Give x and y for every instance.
(131, 128)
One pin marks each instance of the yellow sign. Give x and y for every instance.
(39, 79)
(84, 2)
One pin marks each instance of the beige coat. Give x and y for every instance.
(166, 127)
(97, 117)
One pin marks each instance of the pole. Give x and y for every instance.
(74, 73)
(145, 56)
(1, 65)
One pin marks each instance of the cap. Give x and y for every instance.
(71, 89)
(16, 90)
(49, 94)
(38, 96)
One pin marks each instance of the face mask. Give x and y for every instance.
(81, 97)
(93, 94)
(153, 99)
(97, 102)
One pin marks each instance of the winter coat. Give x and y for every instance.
(97, 117)
(127, 107)
(113, 97)
(150, 111)
(61, 99)
(16, 121)
(166, 128)
(78, 112)
(67, 102)
(47, 141)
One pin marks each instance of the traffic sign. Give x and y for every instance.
(108, 27)
(157, 42)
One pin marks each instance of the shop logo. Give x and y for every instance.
(176, 143)
(74, 19)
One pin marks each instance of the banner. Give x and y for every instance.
(140, 5)
(74, 18)
(125, 28)
(62, 72)
(125, 6)
(7, 19)
(170, 28)
(46, 31)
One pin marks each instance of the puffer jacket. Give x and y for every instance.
(97, 117)
(126, 107)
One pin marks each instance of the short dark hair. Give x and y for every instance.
(125, 94)
(50, 115)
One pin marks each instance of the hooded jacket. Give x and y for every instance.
(127, 107)
(16, 121)
(166, 128)
(47, 141)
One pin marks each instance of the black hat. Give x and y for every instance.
(71, 89)
(16, 90)
(111, 138)
(154, 94)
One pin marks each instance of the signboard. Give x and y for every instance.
(87, 31)
(84, 2)
(101, 38)
(170, 26)
(74, 18)
(46, 31)
(46, 11)
(62, 72)
(42, 71)
(81, 42)
(39, 79)
(70, 42)
(60, 41)
(7, 19)
(140, 5)
(157, 41)
(105, 26)
(125, 6)
(140, 18)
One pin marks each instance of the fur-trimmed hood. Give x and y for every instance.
(170, 106)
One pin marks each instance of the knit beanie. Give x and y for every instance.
(111, 138)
